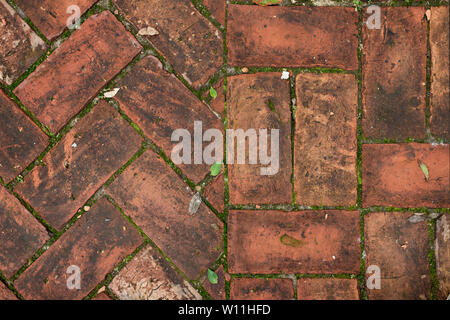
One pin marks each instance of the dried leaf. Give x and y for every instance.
(112, 93)
(195, 203)
(149, 31)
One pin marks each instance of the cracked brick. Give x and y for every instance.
(20, 46)
(21, 235)
(325, 145)
(185, 38)
(148, 276)
(21, 141)
(157, 200)
(97, 242)
(394, 75)
(84, 159)
(440, 99)
(160, 104)
(399, 248)
(51, 16)
(260, 101)
(75, 72)
(292, 36)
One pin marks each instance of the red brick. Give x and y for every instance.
(327, 289)
(325, 146)
(150, 277)
(159, 104)
(217, 9)
(260, 101)
(5, 293)
(292, 36)
(261, 289)
(96, 243)
(21, 141)
(215, 193)
(102, 296)
(439, 41)
(392, 175)
(79, 164)
(157, 200)
(217, 291)
(399, 247)
(76, 71)
(394, 75)
(293, 242)
(185, 38)
(21, 235)
(442, 250)
(51, 16)
(20, 46)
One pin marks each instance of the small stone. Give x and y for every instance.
(244, 69)
(86, 208)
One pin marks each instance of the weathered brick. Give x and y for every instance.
(158, 201)
(150, 277)
(327, 289)
(442, 250)
(5, 293)
(215, 193)
(21, 141)
(399, 247)
(187, 39)
(79, 164)
(102, 296)
(75, 72)
(160, 104)
(97, 242)
(394, 75)
(260, 101)
(51, 16)
(20, 46)
(293, 242)
(325, 146)
(261, 289)
(292, 36)
(21, 235)
(440, 100)
(218, 290)
(217, 9)
(392, 175)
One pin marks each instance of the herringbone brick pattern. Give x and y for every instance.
(88, 184)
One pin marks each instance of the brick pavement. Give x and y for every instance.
(94, 206)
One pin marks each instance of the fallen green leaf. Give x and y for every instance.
(216, 168)
(424, 170)
(212, 277)
(213, 93)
